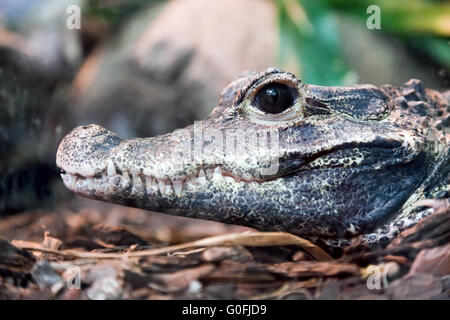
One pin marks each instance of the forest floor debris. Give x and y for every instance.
(91, 255)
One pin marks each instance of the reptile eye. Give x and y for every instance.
(274, 98)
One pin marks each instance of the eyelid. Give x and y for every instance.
(244, 106)
(271, 73)
(259, 85)
(291, 113)
(264, 78)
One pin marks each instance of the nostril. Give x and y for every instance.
(84, 127)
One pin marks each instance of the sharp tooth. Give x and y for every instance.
(149, 183)
(126, 175)
(178, 187)
(69, 180)
(154, 186)
(192, 180)
(201, 177)
(136, 179)
(209, 173)
(74, 181)
(161, 186)
(217, 174)
(169, 188)
(201, 173)
(217, 170)
(111, 169)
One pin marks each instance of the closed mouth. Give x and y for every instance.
(144, 185)
(149, 184)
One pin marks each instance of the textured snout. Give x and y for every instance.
(85, 150)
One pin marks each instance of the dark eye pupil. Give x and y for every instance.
(271, 96)
(274, 98)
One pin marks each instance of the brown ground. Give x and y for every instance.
(414, 266)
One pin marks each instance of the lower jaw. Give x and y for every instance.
(201, 204)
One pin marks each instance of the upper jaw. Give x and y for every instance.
(85, 150)
(113, 183)
(96, 163)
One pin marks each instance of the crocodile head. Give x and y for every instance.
(276, 154)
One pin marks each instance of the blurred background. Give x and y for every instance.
(146, 67)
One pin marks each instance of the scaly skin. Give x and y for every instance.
(333, 162)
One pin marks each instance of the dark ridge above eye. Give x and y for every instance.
(255, 79)
(275, 98)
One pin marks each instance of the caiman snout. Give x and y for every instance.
(85, 150)
(84, 157)
(96, 163)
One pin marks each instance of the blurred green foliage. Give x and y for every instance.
(406, 17)
(309, 40)
(309, 36)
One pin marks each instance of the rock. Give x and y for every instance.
(172, 68)
(106, 283)
(44, 275)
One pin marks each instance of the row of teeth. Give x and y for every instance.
(166, 186)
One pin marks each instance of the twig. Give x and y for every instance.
(233, 239)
